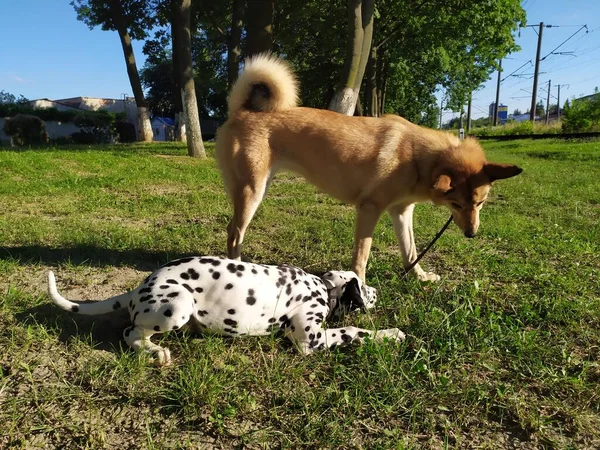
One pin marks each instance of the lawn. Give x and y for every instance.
(503, 352)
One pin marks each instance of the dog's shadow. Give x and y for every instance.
(102, 332)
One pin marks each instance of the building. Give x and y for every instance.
(125, 105)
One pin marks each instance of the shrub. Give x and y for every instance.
(582, 116)
(26, 130)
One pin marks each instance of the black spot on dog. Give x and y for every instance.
(187, 286)
(272, 320)
(283, 318)
(143, 291)
(240, 268)
(314, 305)
(134, 316)
(216, 275)
(311, 336)
(177, 262)
(229, 286)
(184, 275)
(231, 311)
(171, 281)
(231, 267)
(254, 272)
(266, 271)
(199, 290)
(128, 331)
(75, 308)
(299, 297)
(362, 334)
(117, 305)
(168, 313)
(145, 298)
(156, 328)
(251, 300)
(173, 294)
(175, 327)
(195, 275)
(151, 302)
(288, 291)
(346, 337)
(333, 334)
(202, 313)
(288, 303)
(164, 300)
(230, 322)
(147, 310)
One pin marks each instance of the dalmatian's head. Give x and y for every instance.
(347, 292)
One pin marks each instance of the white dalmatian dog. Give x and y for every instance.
(236, 298)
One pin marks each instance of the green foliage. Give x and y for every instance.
(582, 115)
(26, 130)
(518, 129)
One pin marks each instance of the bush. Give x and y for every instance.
(582, 116)
(26, 130)
(84, 138)
(125, 132)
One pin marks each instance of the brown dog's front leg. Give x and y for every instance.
(367, 216)
(402, 218)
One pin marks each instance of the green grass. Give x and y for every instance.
(503, 351)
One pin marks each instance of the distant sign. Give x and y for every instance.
(503, 114)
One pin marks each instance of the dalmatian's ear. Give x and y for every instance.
(329, 284)
(352, 297)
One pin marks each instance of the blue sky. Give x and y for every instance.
(47, 53)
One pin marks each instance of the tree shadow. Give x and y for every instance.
(105, 331)
(88, 255)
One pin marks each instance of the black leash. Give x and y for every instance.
(437, 236)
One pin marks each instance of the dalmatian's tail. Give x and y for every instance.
(89, 309)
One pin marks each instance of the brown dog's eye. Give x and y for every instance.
(456, 205)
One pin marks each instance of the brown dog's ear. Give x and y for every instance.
(497, 171)
(443, 183)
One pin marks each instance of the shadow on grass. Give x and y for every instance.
(105, 331)
(88, 255)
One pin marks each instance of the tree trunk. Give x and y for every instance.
(233, 45)
(382, 79)
(144, 126)
(177, 100)
(182, 31)
(360, 36)
(371, 95)
(259, 26)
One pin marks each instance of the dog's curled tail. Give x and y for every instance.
(267, 84)
(90, 309)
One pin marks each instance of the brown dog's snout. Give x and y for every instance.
(470, 234)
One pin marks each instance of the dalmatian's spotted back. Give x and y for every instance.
(236, 298)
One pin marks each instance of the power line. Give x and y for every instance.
(566, 40)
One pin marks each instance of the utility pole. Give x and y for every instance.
(558, 104)
(495, 122)
(558, 99)
(469, 112)
(441, 108)
(535, 76)
(548, 104)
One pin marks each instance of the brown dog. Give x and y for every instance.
(376, 164)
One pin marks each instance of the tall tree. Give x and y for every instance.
(259, 26)
(360, 34)
(131, 19)
(234, 49)
(183, 45)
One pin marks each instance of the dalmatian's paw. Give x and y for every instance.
(161, 357)
(392, 334)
